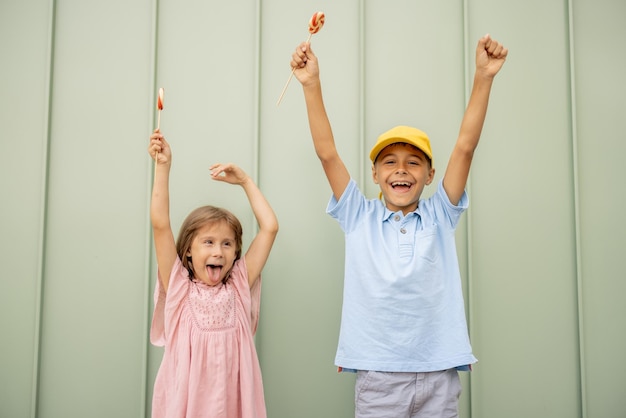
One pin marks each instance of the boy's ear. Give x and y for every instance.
(431, 176)
(374, 174)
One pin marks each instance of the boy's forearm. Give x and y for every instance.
(316, 111)
(475, 113)
(319, 125)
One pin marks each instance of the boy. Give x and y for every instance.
(403, 326)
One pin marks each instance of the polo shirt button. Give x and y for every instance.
(396, 218)
(403, 230)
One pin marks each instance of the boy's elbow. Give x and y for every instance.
(328, 159)
(465, 149)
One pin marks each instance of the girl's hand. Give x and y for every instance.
(229, 173)
(159, 149)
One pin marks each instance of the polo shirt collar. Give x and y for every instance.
(387, 214)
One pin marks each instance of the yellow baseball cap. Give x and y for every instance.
(405, 134)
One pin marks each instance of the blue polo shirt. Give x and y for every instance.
(403, 307)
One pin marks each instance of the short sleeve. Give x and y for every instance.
(177, 287)
(250, 296)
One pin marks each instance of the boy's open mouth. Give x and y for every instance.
(401, 186)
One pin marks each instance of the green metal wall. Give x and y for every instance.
(540, 248)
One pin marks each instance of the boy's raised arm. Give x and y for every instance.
(490, 56)
(306, 71)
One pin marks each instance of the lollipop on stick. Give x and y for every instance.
(159, 108)
(315, 24)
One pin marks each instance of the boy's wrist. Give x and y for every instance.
(313, 84)
(483, 76)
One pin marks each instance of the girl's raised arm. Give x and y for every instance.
(164, 242)
(261, 245)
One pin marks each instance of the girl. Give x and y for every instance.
(207, 301)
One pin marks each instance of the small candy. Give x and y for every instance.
(160, 99)
(316, 22)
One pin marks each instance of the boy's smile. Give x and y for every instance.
(399, 186)
(402, 170)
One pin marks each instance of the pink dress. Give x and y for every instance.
(210, 366)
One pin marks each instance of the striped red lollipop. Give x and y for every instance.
(159, 108)
(315, 24)
(160, 99)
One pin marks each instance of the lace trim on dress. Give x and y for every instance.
(212, 307)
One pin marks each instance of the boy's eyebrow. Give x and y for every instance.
(420, 155)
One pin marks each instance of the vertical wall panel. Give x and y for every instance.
(304, 279)
(524, 272)
(93, 336)
(599, 32)
(206, 64)
(24, 30)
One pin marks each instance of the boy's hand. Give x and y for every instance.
(159, 149)
(229, 173)
(490, 56)
(304, 64)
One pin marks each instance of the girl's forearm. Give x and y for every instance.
(263, 212)
(160, 203)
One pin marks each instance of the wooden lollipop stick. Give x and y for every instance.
(315, 24)
(290, 77)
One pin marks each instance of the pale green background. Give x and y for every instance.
(542, 248)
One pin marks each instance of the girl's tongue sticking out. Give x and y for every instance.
(214, 273)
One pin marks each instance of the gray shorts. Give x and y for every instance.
(407, 395)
